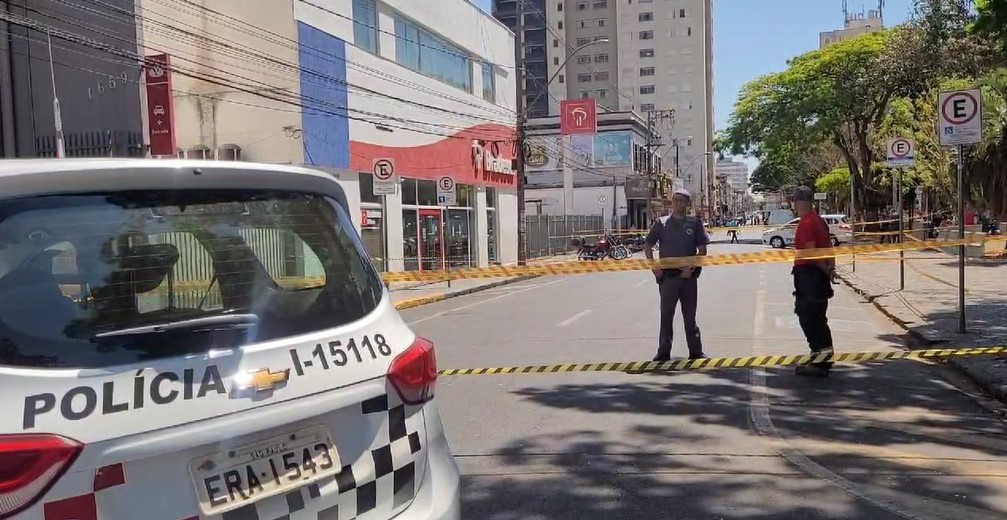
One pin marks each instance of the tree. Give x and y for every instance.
(837, 95)
(836, 184)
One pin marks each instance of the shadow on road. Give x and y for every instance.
(894, 429)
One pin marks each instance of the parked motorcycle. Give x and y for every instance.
(606, 246)
(635, 243)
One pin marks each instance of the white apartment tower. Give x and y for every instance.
(658, 56)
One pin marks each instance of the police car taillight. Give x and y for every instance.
(29, 466)
(413, 373)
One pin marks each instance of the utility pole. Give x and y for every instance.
(522, 249)
(653, 117)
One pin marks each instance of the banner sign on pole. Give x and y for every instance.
(160, 112)
(901, 152)
(385, 180)
(446, 194)
(959, 115)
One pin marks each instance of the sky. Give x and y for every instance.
(756, 37)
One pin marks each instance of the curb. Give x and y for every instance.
(997, 391)
(424, 300)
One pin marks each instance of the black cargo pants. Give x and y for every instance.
(812, 291)
(675, 290)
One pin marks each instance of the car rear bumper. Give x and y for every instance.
(439, 496)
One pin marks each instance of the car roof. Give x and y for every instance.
(25, 177)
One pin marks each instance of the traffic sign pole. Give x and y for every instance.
(961, 236)
(902, 229)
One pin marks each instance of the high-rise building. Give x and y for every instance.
(735, 172)
(630, 56)
(854, 25)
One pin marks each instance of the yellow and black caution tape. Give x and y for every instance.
(603, 266)
(638, 367)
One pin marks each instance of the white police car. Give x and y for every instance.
(183, 340)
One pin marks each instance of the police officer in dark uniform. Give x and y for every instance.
(813, 282)
(678, 235)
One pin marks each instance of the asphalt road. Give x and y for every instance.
(876, 441)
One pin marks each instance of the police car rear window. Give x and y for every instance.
(108, 279)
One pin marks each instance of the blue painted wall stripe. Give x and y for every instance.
(325, 128)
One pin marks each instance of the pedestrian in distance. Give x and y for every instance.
(678, 235)
(813, 282)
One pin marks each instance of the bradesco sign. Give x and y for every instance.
(490, 165)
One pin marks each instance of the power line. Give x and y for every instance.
(380, 118)
(241, 53)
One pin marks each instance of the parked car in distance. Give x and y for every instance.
(840, 231)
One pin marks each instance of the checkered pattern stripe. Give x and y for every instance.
(386, 477)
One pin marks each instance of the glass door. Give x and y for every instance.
(431, 239)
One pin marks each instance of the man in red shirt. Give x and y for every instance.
(813, 282)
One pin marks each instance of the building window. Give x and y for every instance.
(583, 94)
(681, 13)
(688, 31)
(561, 78)
(646, 17)
(601, 58)
(559, 24)
(583, 59)
(583, 24)
(601, 76)
(555, 61)
(365, 26)
(646, 107)
(583, 41)
(602, 4)
(559, 6)
(646, 53)
(600, 94)
(489, 83)
(582, 6)
(583, 78)
(421, 51)
(646, 71)
(646, 35)
(647, 89)
(555, 42)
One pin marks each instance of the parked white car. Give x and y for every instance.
(184, 340)
(839, 230)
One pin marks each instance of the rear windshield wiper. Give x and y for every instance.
(221, 322)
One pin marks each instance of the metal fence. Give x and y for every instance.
(548, 235)
(93, 144)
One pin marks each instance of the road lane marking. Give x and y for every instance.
(574, 318)
(487, 300)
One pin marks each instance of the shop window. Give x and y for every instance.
(463, 195)
(365, 26)
(409, 192)
(426, 193)
(491, 233)
(367, 188)
(429, 54)
(491, 197)
(489, 82)
(410, 240)
(458, 237)
(372, 235)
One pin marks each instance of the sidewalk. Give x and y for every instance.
(928, 307)
(407, 295)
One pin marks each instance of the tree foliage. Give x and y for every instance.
(831, 111)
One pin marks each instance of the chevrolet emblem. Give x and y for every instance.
(265, 379)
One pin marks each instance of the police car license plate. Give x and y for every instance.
(230, 479)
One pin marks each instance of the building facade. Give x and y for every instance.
(854, 25)
(98, 91)
(735, 172)
(631, 56)
(348, 84)
(607, 173)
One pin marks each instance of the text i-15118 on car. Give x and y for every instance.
(183, 340)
